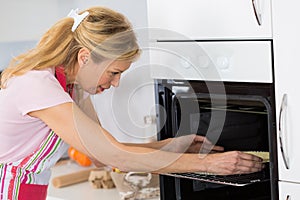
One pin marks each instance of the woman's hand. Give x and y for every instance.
(194, 144)
(232, 162)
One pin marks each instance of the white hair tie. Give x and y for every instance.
(77, 18)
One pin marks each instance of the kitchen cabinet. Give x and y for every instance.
(210, 19)
(289, 191)
(286, 66)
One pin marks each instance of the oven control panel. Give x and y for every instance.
(233, 61)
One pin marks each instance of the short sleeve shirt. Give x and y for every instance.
(21, 134)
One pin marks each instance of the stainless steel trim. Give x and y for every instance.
(257, 12)
(283, 109)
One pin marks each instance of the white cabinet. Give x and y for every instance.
(289, 191)
(210, 19)
(286, 32)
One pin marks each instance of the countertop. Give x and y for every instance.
(77, 191)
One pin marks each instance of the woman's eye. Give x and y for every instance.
(114, 73)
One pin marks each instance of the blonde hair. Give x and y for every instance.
(106, 33)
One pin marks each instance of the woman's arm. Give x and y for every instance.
(81, 132)
(87, 106)
(187, 143)
(87, 136)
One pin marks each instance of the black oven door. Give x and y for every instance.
(235, 120)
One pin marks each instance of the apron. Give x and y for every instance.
(28, 178)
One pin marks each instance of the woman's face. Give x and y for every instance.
(111, 75)
(97, 77)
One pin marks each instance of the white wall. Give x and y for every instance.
(28, 20)
(23, 22)
(121, 110)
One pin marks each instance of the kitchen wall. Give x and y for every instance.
(23, 22)
(122, 110)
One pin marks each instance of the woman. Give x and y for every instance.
(38, 118)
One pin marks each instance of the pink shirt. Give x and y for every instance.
(21, 134)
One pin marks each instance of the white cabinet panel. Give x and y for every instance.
(286, 61)
(289, 191)
(238, 61)
(208, 19)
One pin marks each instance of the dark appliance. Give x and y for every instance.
(235, 115)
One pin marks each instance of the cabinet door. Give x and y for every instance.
(208, 19)
(286, 62)
(289, 191)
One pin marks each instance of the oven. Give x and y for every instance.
(223, 90)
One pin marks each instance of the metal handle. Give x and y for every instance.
(257, 11)
(174, 116)
(282, 113)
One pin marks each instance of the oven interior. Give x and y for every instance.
(239, 119)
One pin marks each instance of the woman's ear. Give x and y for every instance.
(83, 56)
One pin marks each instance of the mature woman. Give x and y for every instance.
(43, 107)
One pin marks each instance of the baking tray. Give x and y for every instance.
(233, 180)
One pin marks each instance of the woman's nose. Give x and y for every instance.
(115, 82)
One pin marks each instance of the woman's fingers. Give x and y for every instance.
(251, 162)
(247, 156)
(207, 146)
(243, 169)
(217, 148)
(233, 162)
(247, 161)
(199, 138)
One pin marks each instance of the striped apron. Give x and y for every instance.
(28, 178)
(30, 175)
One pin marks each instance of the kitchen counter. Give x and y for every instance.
(77, 191)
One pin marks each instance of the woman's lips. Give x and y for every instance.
(101, 89)
(97, 90)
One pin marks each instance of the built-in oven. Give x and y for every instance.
(223, 90)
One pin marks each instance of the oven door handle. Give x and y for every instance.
(173, 116)
(282, 119)
(257, 11)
